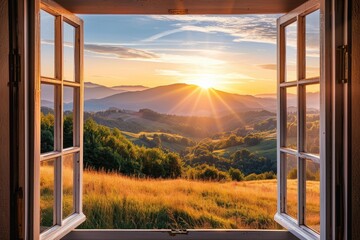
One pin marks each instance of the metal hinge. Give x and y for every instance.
(14, 58)
(343, 63)
(174, 232)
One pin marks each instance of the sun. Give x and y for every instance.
(205, 84)
(205, 81)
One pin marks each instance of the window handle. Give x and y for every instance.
(174, 232)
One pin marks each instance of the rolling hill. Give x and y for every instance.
(182, 99)
(91, 91)
(147, 120)
(96, 91)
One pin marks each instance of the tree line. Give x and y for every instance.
(107, 149)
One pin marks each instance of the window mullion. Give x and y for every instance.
(60, 117)
(281, 119)
(301, 118)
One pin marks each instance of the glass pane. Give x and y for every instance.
(291, 185)
(312, 38)
(69, 52)
(291, 117)
(68, 184)
(47, 35)
(47, 117)
(47, 194)
(312, 212)
(291, 52)
(68, 116)
(312, 133)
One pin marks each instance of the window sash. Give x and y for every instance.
(296, 226)
(63, 226)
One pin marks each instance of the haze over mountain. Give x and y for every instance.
(96, 91)
(183, 99)
(91, 91)
(312, 98)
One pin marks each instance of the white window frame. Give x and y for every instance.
(61, 226)
(298, 227)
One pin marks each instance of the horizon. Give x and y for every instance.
(183, 83)
(226, 53)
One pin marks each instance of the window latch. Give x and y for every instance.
(174, 232)
(343, 56)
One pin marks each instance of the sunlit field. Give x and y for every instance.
(116, 202)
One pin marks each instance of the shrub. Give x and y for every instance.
(236, 174)
(252, 140)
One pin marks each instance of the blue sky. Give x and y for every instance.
(230, 53)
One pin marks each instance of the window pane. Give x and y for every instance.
(68, 116)
(291, 185)
(68, 185)
(291, 52)
(47, 35)
(291, 117)
(47, 117)
(312, 212)
(69, 52)
(312, 38)
(47, 194)
(312, 133)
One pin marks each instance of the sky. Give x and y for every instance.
(233, 53)
(230, 53)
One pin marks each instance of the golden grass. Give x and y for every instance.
(113, 201)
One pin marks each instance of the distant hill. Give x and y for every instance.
(92, 91)
(183, 99)
(96, 91)
(313, 100)
(130, 88)
(147, 120)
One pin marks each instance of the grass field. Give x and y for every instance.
(116, 202)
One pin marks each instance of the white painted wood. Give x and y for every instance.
(301, 232)
(188, 6)
(298, 227)
(57, 232)
(62, 227)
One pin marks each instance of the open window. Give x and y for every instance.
(299, 120)
(59, 121)
(58, 166)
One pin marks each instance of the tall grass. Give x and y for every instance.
(113, 201)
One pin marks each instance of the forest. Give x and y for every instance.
(107, 149)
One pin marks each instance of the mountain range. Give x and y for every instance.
(96, 91)
(182, 99)
(176, 99)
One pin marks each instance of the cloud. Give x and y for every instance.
(116, 51)
(195, 75)
(268, 66)
(111, 50)
(252, 28)
(120, 52)
(170, 32)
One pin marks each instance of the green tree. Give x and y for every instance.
(236, 174)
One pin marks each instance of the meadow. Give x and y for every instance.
(113, 201)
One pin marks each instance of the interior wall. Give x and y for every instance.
(355, 117)
(4, 124)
